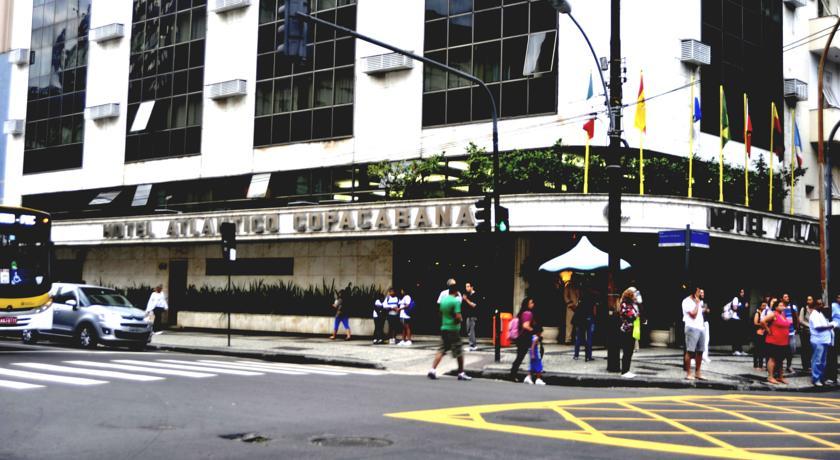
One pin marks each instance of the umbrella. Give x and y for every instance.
(583, 257)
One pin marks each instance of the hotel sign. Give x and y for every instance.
(759, 225)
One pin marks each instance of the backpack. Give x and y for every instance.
(513, 328)
(410, 308)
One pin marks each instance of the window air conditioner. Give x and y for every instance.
(390, 62)
(796, 90)
(695, 52)
(101, 112)
(107, 32)
(19, 56)
(226, 89)
(227, 5)
(13, 127)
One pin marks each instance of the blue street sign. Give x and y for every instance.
(676, 238)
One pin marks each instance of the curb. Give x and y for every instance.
(566, 379)
(270, 356)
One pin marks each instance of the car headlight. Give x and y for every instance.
(109, 317)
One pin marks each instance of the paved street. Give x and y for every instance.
(60, 402)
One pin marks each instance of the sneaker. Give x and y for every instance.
(575, 358)
(539, 382)
(628, 375)
(464, 376)
(407, 343)
(401, 344)
(432, 374)
(158, 332)
(392, 341)
(473, 348)
(706, 360)
(829, 382)
(818, 383)
(528, 381)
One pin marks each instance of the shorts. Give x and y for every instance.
(406, 321)
(776, 352)
(451, 340)
(695, 340)
(536, 365)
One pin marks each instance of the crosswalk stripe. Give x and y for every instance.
(230, 365)
(49, 377)
(199, 368)
(324, 367)
(312, 370)
(90, 372)
(18, 385)
(147, 370)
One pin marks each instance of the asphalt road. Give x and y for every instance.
(292, 406)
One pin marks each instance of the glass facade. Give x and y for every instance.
(746, 42)
(310, 100)
(489, 39)
(166, 79)
(57, 81)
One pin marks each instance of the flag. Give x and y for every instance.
(589, 127)
(641, 119)
(724, 119)
(590, 92)
(797, 145)
(777, 127)
(698, 114)
(748, 129)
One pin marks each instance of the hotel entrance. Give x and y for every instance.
(423, 264)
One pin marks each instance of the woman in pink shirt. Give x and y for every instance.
(778, 328)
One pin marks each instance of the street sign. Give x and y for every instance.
(676, 238)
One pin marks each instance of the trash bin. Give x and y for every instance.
(505, 337)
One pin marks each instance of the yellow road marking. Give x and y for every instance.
(788, 410)
(681, 427)
(577, 421)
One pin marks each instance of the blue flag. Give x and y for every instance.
(589, 92)
(698, 114)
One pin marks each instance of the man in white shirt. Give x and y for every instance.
(695, 332)
(449, 283)
(156, 306)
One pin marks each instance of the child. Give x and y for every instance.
(536, 359)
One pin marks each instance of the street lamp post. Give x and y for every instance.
(614, 104)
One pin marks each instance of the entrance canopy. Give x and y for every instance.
(583, 257)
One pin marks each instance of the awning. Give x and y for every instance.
(583, 257)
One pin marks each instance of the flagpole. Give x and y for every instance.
(792, 155)
(720, 154)
(641, 164)
(746, 156)
(691, 139)
(772, 153)
(586, 168)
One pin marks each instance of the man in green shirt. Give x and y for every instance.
(450, 325)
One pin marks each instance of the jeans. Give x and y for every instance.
(394, 325)
(523, 346)
(584, 330)
(471, 323)
(758, 351)
(628, 344)
(791, 351)
(831, 365)
(343, 320)
(805, 350)
(158, 324)
(818, 361)
(379, 327)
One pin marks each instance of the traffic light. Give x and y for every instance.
(482, 214)
(228, 231)
(293, 32)
(502, 219)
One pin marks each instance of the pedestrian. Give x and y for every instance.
(472, 301)
(379, 320)
(833, 314)
(536, 365)
(695, 332)
(822, 338)
(155, 307)
(525, 328)
(707, 335)
(445, 292)
(341, 316)
(759, 336)
(734, 314)
(450, 338)
(391, 305)
(778, 339)
(571, 296)
(792, 314)
(406, 310)
(804, 326)
(584, 323)
(628, 313)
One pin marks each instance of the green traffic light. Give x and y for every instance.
(503, 226)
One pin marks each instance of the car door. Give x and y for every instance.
(65, 310)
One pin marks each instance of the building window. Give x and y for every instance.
(310, 100)
(510, 47)
(166, 79)
(746, 42)
(57, 81)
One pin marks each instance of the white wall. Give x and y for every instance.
(388, 108)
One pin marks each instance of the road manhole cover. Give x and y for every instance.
(245, 437)
(351, 441)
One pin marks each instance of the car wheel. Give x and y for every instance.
(29, 336)
(86, 336)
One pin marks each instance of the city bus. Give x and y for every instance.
(25, 252)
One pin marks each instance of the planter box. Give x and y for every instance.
(271, 323)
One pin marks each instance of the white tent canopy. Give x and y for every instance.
(583, 257)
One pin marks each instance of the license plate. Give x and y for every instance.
(8, 321)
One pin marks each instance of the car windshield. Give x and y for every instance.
(106, 297)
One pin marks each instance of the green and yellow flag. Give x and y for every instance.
(724, 119)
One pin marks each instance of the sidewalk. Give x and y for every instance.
(654, 367)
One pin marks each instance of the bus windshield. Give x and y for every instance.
(24, 255)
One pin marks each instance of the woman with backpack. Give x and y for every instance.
(523, 327)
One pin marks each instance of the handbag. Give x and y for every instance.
(727, 312)
(637, 329)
